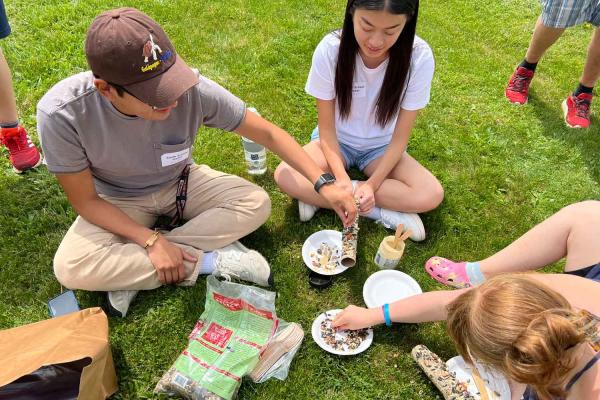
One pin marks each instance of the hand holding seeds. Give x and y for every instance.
(341, 339)
(365, 196)
(353, 317)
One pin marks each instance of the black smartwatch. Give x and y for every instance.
(324, 179)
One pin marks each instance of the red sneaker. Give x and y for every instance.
(23, 153)
(577, 110)
(518, 86)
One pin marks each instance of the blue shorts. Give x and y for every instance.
(4, 26)
(592, 272)
(567, 13)
(353, 157)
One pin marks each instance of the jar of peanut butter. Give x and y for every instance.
(387, 256)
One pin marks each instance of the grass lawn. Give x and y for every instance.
(504, 168)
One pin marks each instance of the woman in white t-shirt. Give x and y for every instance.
(370, 81)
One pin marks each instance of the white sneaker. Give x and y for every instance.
(119, 301)
(307, 211)
(391, 219)
(237, 261)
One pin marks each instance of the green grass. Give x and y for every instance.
(504, 168)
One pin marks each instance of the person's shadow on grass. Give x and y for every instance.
(587, 141)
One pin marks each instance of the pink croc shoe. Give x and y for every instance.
(448, 272)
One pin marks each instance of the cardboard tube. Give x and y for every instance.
(349, 244)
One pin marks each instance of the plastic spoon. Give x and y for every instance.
(398, 236)
(406, 235)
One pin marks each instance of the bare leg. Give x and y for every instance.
(410, 187)
(8, 106)
(296, 185)
(543, 37)
(573, 232)
(591, 71)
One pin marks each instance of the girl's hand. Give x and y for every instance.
(353, 317)
(366, 197)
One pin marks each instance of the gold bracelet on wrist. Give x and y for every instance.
(150, 242)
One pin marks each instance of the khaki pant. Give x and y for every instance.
(220, 209)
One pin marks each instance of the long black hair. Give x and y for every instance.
(398, 67)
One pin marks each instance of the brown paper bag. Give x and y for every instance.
(65, 339)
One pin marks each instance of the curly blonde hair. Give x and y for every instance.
(520, 327)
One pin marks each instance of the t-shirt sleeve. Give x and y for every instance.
(219, 107)
(418, 90)
(321, 78)
(63, 152)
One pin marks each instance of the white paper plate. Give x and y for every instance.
(333, 239)
(388, 286)
(316, 334)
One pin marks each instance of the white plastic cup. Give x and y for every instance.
(255, 154)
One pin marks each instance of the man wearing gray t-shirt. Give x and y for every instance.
(119, 139)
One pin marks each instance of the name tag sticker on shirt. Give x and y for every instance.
(359, 89)
(174, 158)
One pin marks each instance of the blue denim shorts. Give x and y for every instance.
(4, 26)
(355, 158)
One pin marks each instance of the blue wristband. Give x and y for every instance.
(386, 314)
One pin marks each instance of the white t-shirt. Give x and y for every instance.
(360, 130)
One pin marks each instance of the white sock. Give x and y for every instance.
(374, 214)
(209, 260)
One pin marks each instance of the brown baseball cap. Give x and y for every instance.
(126, 47)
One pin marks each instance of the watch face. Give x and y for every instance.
(327, 177)
(324, 179)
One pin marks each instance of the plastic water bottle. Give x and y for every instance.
(254, 154)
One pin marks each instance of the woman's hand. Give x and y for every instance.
(353, 317)
(341, 202)
(366, 197)
(345, 183)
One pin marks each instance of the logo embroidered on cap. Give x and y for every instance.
(151, 49)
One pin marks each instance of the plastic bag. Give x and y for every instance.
(276, 359)
(50, 382)
(237, 323)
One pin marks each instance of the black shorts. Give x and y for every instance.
(4, 26)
